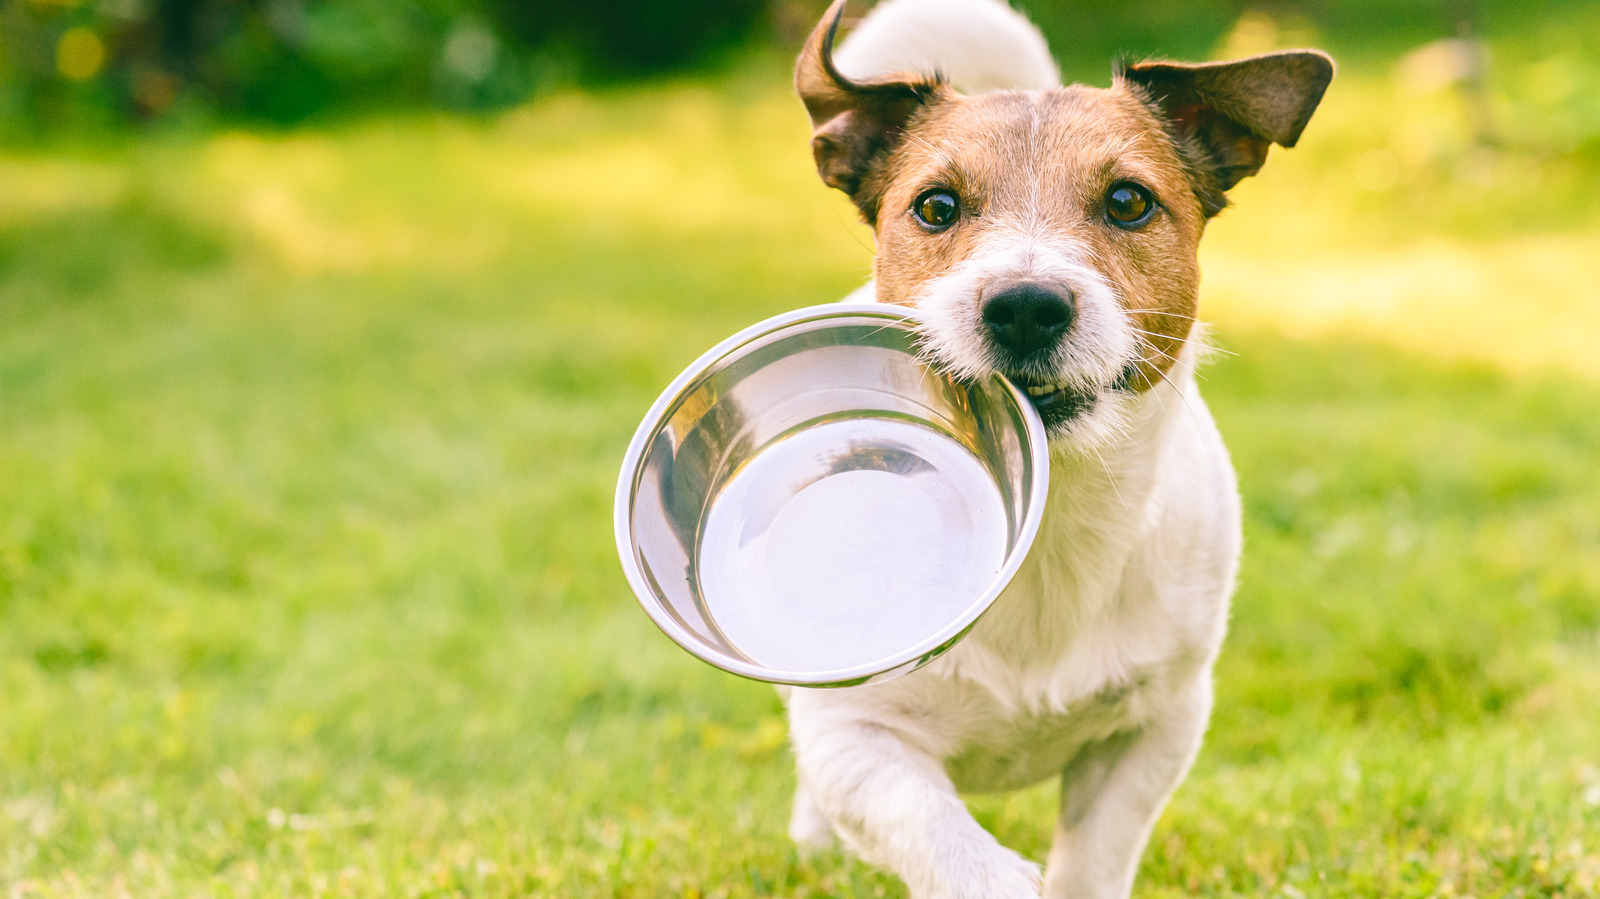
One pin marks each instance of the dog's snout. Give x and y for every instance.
(1028, 317)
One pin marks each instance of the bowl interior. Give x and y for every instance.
(811, 504)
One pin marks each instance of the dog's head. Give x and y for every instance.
(1051, 236)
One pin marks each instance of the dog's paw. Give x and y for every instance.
(1021, 878)
(1001, 875)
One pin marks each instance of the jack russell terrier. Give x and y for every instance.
(1047, 233)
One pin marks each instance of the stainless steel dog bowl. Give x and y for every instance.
(810, 504)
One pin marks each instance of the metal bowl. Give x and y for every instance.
(810, 504)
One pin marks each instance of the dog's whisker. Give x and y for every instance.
(1172, 359)
(1109, 476)
(880, 329)
(1182, 397)
(1153, 347)
(1208, 346)
(1157, 350)
(1162, 312)
(1146, 361)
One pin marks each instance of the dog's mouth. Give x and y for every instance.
(1057, 404)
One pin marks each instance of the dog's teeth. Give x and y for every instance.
(1040, 391)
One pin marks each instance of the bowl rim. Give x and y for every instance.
(892, 665)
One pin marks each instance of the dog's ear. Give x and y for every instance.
(1224, 115)
(855, 124)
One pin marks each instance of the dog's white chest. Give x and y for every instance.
(1007, 754)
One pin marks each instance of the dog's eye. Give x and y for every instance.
(1129, 205)
(936, 209)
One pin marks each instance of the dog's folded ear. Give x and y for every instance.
(1225, 115)
(855, 124)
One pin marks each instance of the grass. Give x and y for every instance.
(306, 577)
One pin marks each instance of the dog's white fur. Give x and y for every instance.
(958, 39)
(1095, 664)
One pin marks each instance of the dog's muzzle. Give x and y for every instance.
(1025, 322)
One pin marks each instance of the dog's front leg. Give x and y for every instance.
(1111, 794)
(896, 807)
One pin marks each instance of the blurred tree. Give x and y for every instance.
(67, 61)
(612, 38)
(107, 61)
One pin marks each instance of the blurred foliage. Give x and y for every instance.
(76, 63)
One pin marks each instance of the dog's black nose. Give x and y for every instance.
(1028, 317)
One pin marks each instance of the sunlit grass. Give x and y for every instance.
(308, 440)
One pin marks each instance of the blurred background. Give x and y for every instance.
(324, 325)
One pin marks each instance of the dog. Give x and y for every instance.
(1047, 233)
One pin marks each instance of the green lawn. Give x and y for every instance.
(307, 444)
